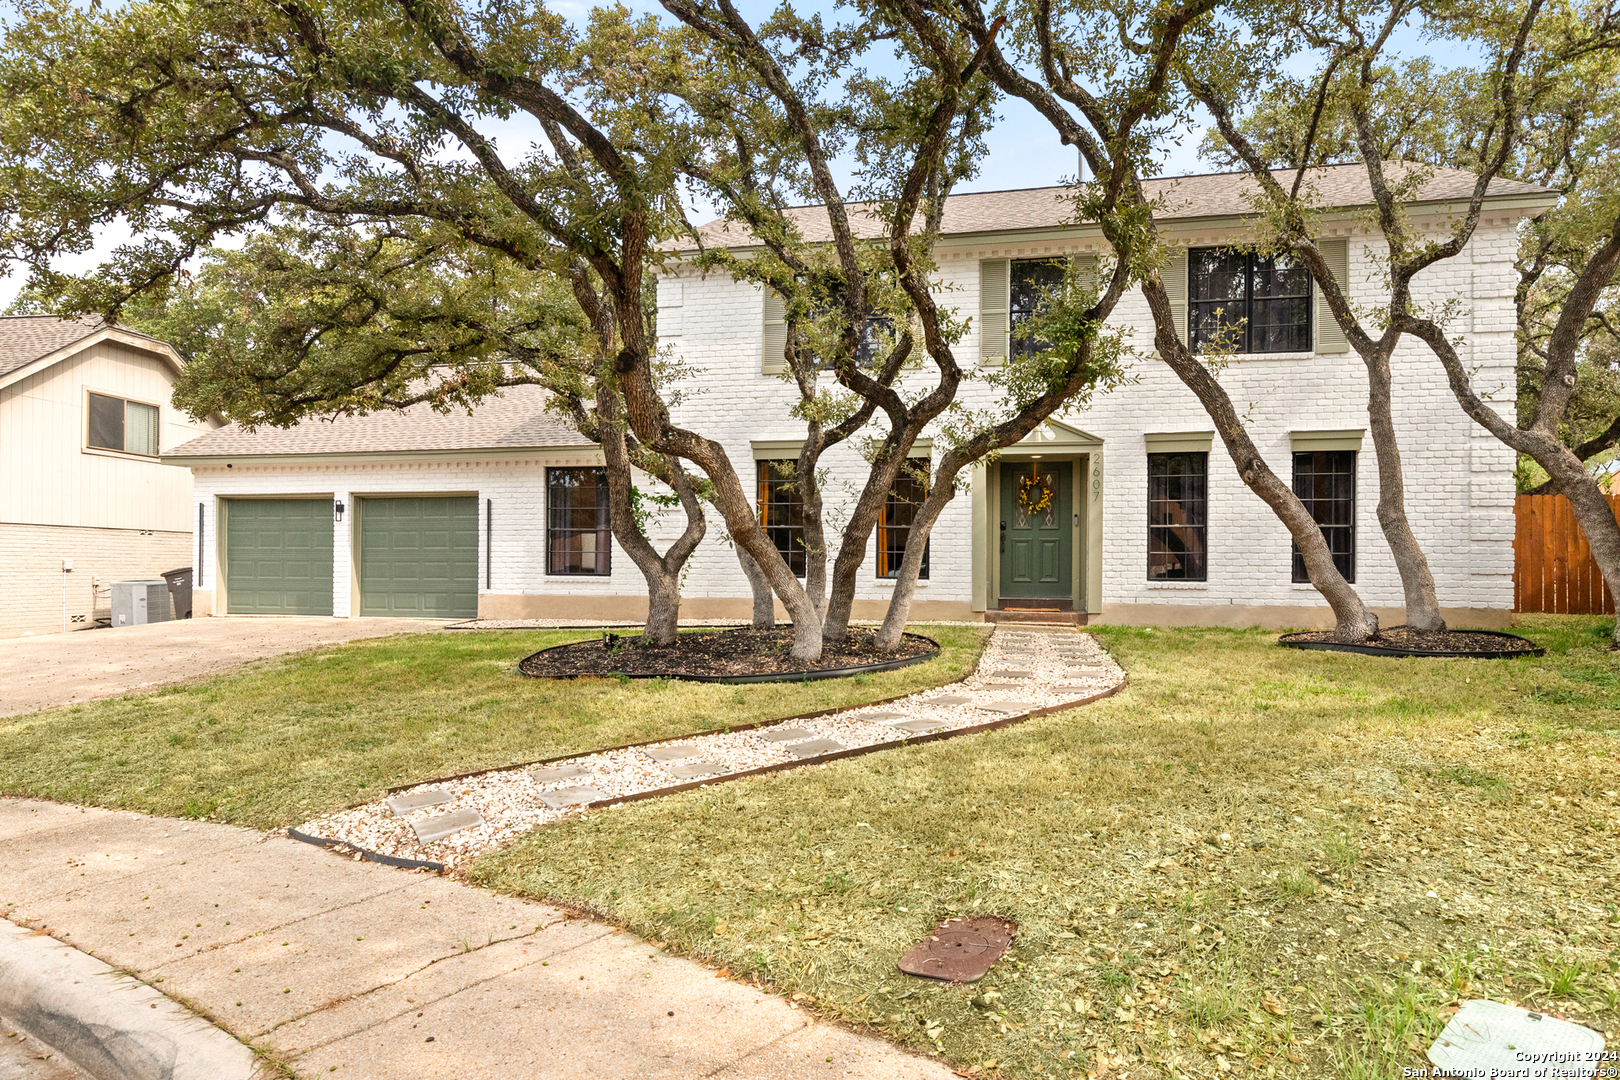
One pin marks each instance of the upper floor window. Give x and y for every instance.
(579, 531)
(1246, 303)
(781, 510)
(127, 426)
(1178, 517)
(1032, 280)
(894, 525)
(1325, 481)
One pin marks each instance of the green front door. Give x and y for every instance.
(278, 557)
(419, 558)
(1037, 541)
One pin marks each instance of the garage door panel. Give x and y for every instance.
(419, 557)
(278, 557)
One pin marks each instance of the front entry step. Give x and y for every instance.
(1050, 618)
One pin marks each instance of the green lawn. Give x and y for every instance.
(1253, 861)
(280, 741)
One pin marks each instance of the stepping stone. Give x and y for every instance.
(417, 800)
(883, 716)
(1000, 686)
(561, 772)
(671, 753)
(1091, 672)
(439, 826)
(1010, 708)
(813, 748)
(784, 734)
(570, 796)
(949, 699)
(920, 725)
(1009, 674)
(698, 768)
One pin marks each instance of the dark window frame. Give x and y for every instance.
(1334, 470)
(601, 528)
(91, 425)
(1251, 307)
(1024, 290)
(1173, 481)
(890, 554)
(778, 498)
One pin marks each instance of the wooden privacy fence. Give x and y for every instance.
(1552, 566)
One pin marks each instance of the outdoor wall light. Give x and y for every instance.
(337, 509)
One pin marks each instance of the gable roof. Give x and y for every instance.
(514, 419)
(28, 339)
(1180, 198)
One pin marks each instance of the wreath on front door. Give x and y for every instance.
(1034, 494)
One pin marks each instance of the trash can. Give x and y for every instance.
(135, 603)
(180, 588)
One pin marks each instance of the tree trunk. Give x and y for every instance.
(1353, 622)
(760, 586)
(852, 546)
(922, 524)
(1422, 607)
(815, 532)
(663, 607)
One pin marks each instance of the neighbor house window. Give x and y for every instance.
(1325, 481)
(579, 532)
(781, 511)
(1032, 281)
(894, 525)
(128, 426)
(1250, 304)
(1178, 517)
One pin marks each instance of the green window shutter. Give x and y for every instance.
(1329, 335)
(772, 360)
(995, 295)
(1086, 265)
(1175, 284)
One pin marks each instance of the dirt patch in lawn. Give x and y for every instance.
(1407, 641)
(726, 654)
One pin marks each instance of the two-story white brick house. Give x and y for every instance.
(1147, 521)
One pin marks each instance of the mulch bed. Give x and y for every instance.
(739, 654)
(1405, 641)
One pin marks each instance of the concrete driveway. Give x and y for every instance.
(64, 669)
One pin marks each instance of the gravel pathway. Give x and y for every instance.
(1020, 671)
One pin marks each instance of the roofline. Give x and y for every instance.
(161, 349)
(195, 460)
(1517, 200)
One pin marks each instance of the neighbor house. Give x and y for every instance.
(1127, 510)
(85, 498)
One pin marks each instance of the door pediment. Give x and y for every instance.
(1055, 436)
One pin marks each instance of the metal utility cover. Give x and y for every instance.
(698, 768)
(1500, 1039)
(813, 748)
(920, 725)
(785, 734)
(1010, 708)
(960, 950)
(671, 753)
(439, 826)
(559, 772)
(570, 796)
(949, 699)
(416, 800)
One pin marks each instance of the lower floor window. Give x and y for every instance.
(1178, 517)
(899, 511)
(579, 533)
(1325, 481)
(781, 510)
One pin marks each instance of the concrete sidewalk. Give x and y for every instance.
(346, 968)
(65, 669)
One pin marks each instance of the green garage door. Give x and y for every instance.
(419, 558)
(278, 557)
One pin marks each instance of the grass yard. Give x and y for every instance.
(1252, 862)
(280, 741)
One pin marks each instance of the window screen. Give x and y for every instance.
(1032, 280)
(1252, 304)
(1178, 516)
(894, 525)
(106, 422)
(781, 511)
(1325, 481)
(579, 533)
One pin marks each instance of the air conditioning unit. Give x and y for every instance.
(135, 603)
